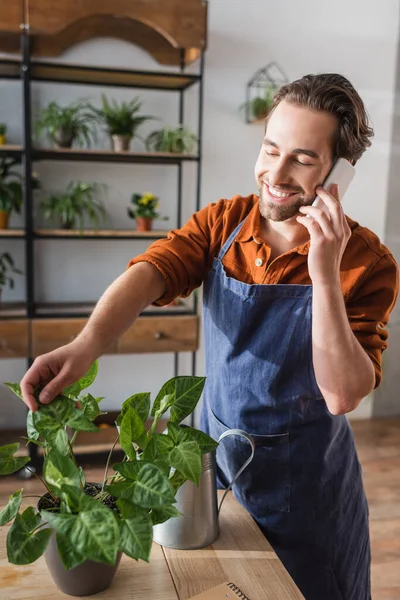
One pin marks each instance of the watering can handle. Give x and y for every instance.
(249, 438)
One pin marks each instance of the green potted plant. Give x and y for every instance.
(65, 125)
(83, 527)
(178, 140)
(121, 121)
(10, 190)
(7, 266)
(144, 210)
(78, 201)
(3, 134)
(258, 108)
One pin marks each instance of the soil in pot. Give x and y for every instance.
(88, 578)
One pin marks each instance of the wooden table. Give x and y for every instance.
(241, 555)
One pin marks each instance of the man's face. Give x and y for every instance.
(295, 157)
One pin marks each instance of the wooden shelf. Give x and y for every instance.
(99, 234)
(73, 154)
(7, 233)
(12, 310)
(67, 73)
(12, 150)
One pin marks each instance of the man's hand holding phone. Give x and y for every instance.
(327, 226)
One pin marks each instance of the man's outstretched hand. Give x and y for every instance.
(53, 372)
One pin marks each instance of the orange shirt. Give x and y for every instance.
(369, 273)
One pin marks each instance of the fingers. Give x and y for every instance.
(54, 387)
(27, 390)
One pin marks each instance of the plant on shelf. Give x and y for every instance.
(3, 134)
(77, 521)
(65, 125)
(258, 108)
(79, 201)
(10, 190)
(144, 210)
(7, 266)
(121, 121)
(179, 140)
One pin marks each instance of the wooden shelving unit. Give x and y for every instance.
(34, 328)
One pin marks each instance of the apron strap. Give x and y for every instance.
(230, 240)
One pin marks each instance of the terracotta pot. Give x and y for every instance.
(4, 217)
(121, 143)
(64, 138)
(144, 224)
(84, 580)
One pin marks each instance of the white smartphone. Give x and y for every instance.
(341, 174)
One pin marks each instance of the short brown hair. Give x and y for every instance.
(334, 94)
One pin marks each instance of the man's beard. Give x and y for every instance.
(278, 212)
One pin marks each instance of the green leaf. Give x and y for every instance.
(8, 463)
(84, 382)
(123, 490)
(186, 393)
(16, 388)
(59, 440)
(132, 431)
(160, 515)
(32, 432)
(68, 554)
(186, 458)
(59, 470)
(49, 418)
(177, 480)
(151, 451)
(93, 533)
(24, 544)
(11, 509)
(189, 434)
(164, 465)
(90, 406)
(175, 433)
(79, 422)
(164, 442)
(165, 404)
(150, 486)
(136, 535)
(140, 402)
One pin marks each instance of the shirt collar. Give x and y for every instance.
(251, 230)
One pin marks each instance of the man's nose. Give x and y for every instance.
(279, 173)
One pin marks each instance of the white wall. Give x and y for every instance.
(243, 36)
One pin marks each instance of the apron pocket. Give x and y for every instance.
(265, 483)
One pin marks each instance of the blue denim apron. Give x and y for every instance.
(304, 487)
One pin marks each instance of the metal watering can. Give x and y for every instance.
(198, 525)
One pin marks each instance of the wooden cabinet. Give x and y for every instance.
(147, 334)
(14, 338)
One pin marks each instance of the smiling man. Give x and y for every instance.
(296, 303)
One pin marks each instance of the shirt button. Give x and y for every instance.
(259, 262)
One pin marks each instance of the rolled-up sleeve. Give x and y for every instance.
(369, 309)
(184, 257)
